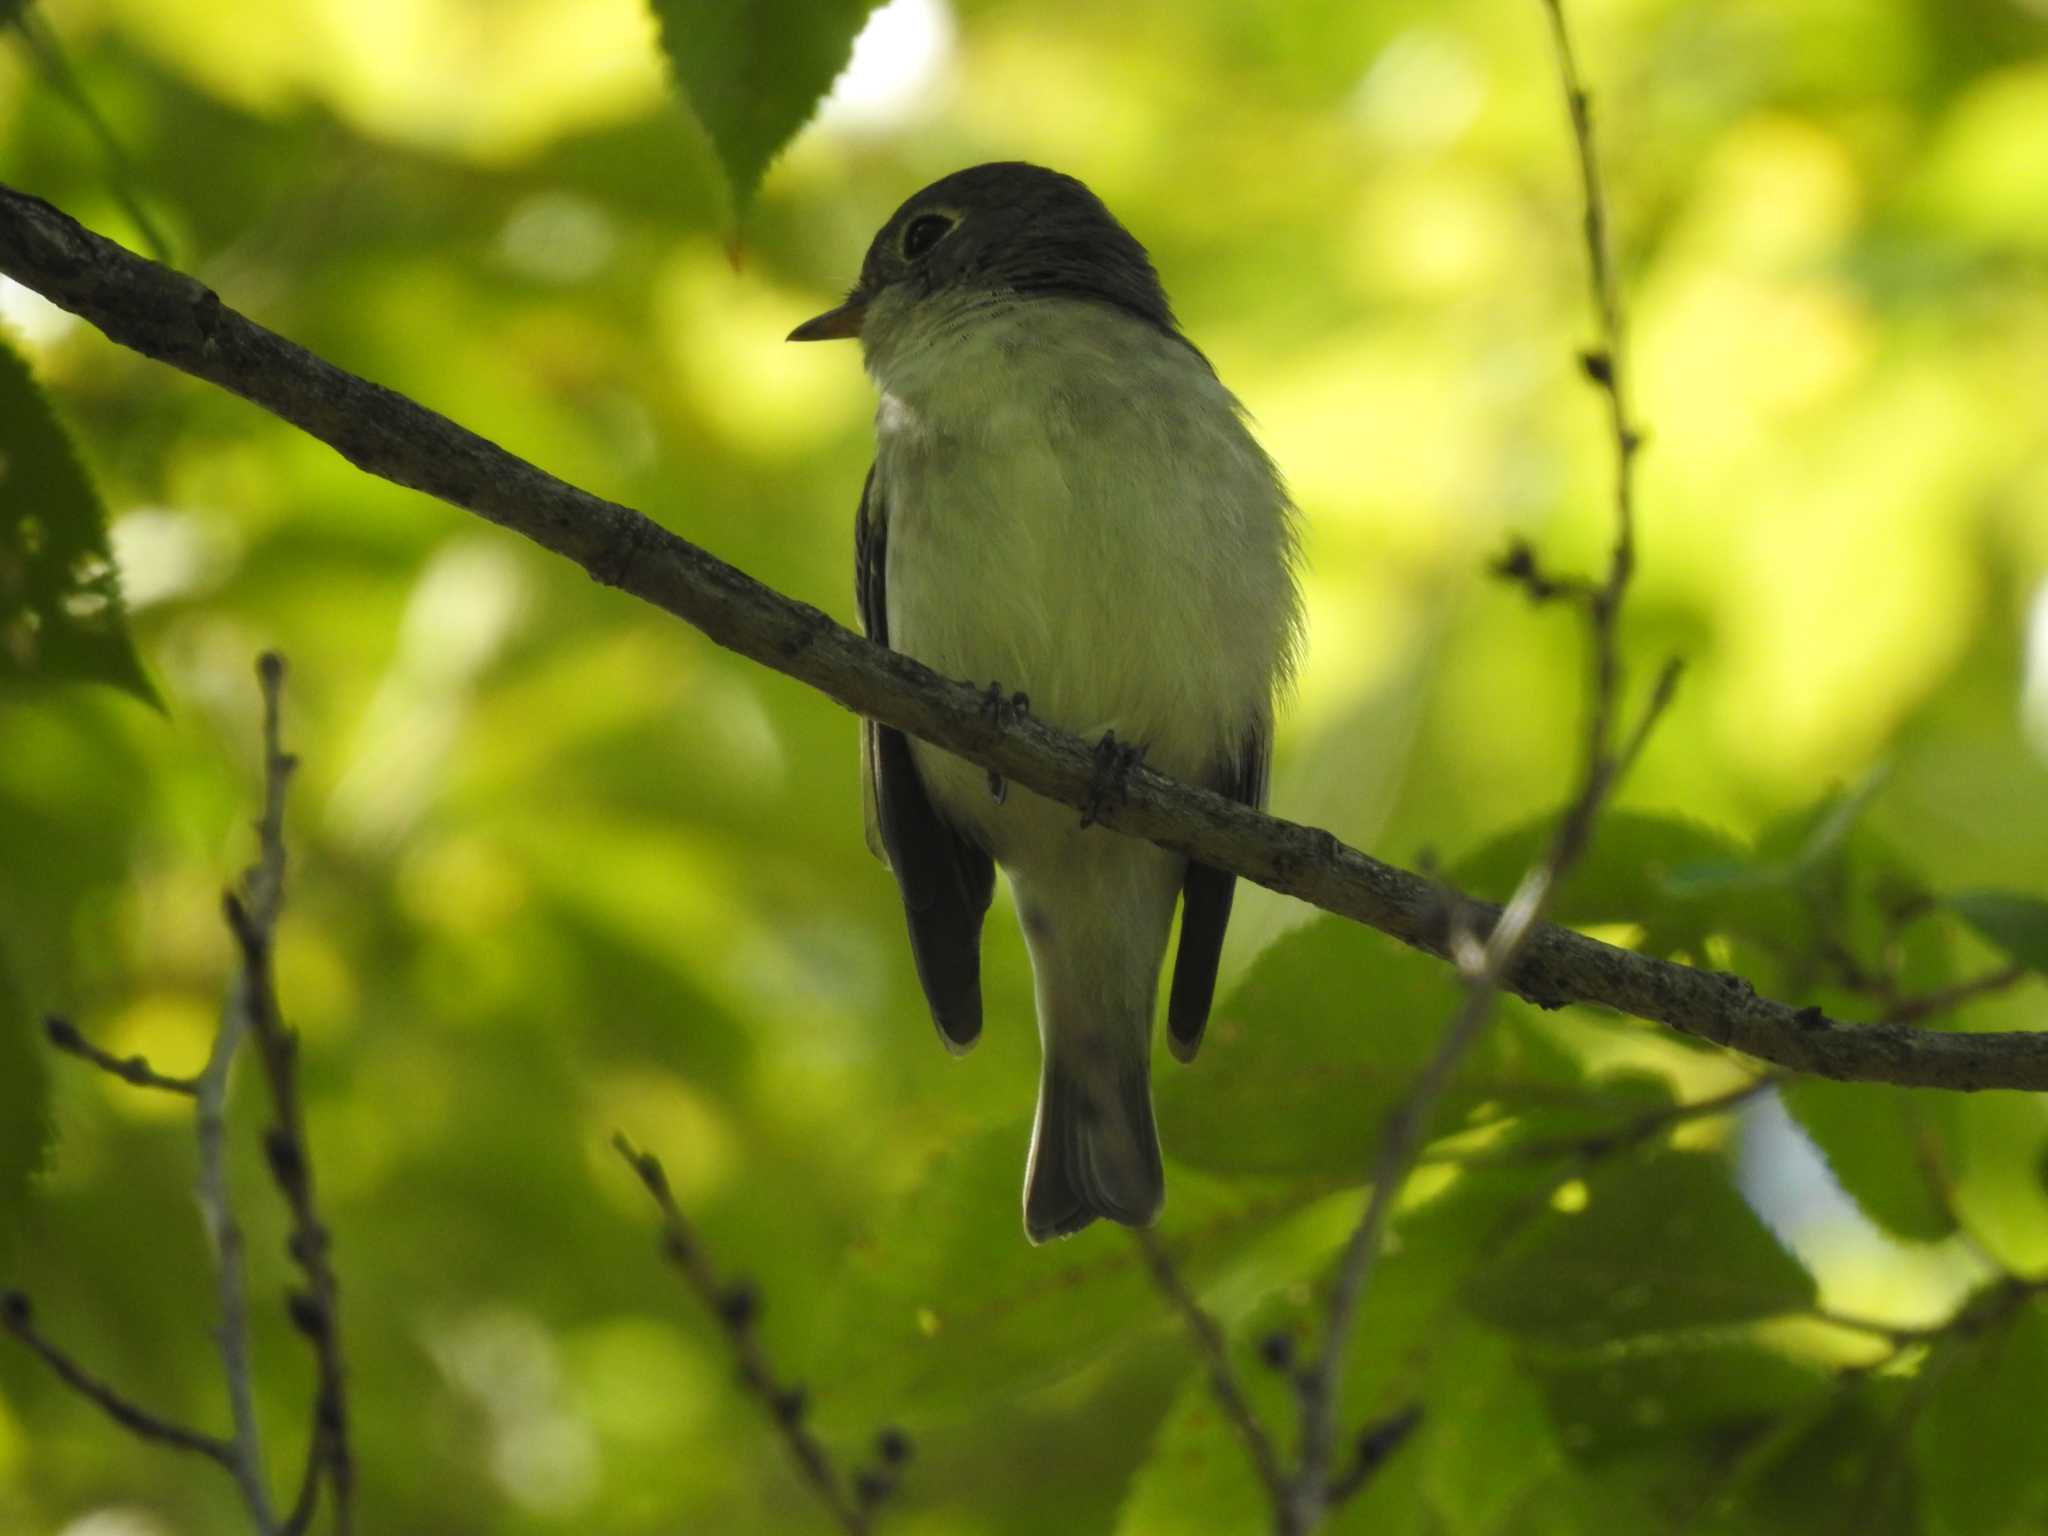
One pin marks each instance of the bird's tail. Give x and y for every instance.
(1095, 1148)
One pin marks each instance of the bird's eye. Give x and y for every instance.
(924, 232)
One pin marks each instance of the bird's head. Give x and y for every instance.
(996, 234)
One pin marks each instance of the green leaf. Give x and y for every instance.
(753, 72)
(1325, 1034)
(1978, 1441)
(1199, 1476)
(1822, 886)
(1482, 1459)
(1486, 1446)
(1662, 1243)
(1614, 1104)
(2018, 925)
(1634, 872)
(1621, 1399)
(950, 1307)
(1832, 1466)
(1883, 1145)
(60, 599)
(25, 1124)
(1805, 840)
(1437, 1245)
(2000, 1144)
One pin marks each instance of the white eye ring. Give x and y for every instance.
(924, 232)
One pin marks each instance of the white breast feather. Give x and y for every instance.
(1077, 510)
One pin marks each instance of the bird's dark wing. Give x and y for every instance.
(946, 880)
(1205, 906)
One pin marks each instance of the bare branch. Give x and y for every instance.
(1313, 1490)
(1223, 1382)
(17, 1316)
(737, 1308)
(251, 1012)
(166, 315)
(1594, 1145)
(1913, 1010)
(224, 1232)
(316, 1309)
(120, 179)
(63, 1035)
(1375, 1443)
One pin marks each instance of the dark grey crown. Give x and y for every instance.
(1016, 228)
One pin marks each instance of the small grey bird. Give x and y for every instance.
(1067, 501)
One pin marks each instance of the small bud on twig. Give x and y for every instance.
(740, 1305)
(307, 1315)
(1276, 1350)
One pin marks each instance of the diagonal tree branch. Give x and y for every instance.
(1208, 1337)
(315, 1310)
(168, 316)
(854, 1501)
(1604, 762)
(230, 1264)
(63, 1035)
(17, 1317)
(251, 1012)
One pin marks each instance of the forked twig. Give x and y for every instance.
(1304, 1495)
(251, 1012)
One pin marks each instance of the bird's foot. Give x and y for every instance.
(1111, 784)
(1001, 709)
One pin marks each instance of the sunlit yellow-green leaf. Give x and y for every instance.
(1328, 1031)
(2016, 924)
(1660, 1243)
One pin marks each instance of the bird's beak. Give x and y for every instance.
(835, 324)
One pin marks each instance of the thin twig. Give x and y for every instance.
(1223, 1382)
(251, 1011)
(1593, 1146)
(1896, 1333)
(1890, 1459)
(18, 1318)
(42, 42)
(316, 1309)
(1309, 1493)
(63, 1035)
(1609, 367)
(736, 1307)
(224, 1231)
(1408, 1126)
(1376, 1442)
(168, 316)
(1912, 1010)
(1603, 765)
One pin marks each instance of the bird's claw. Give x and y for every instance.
(1001, 709)
(1111, 783)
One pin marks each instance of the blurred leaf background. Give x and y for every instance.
(562, 867)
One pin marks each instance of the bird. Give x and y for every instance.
(1065, 501)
